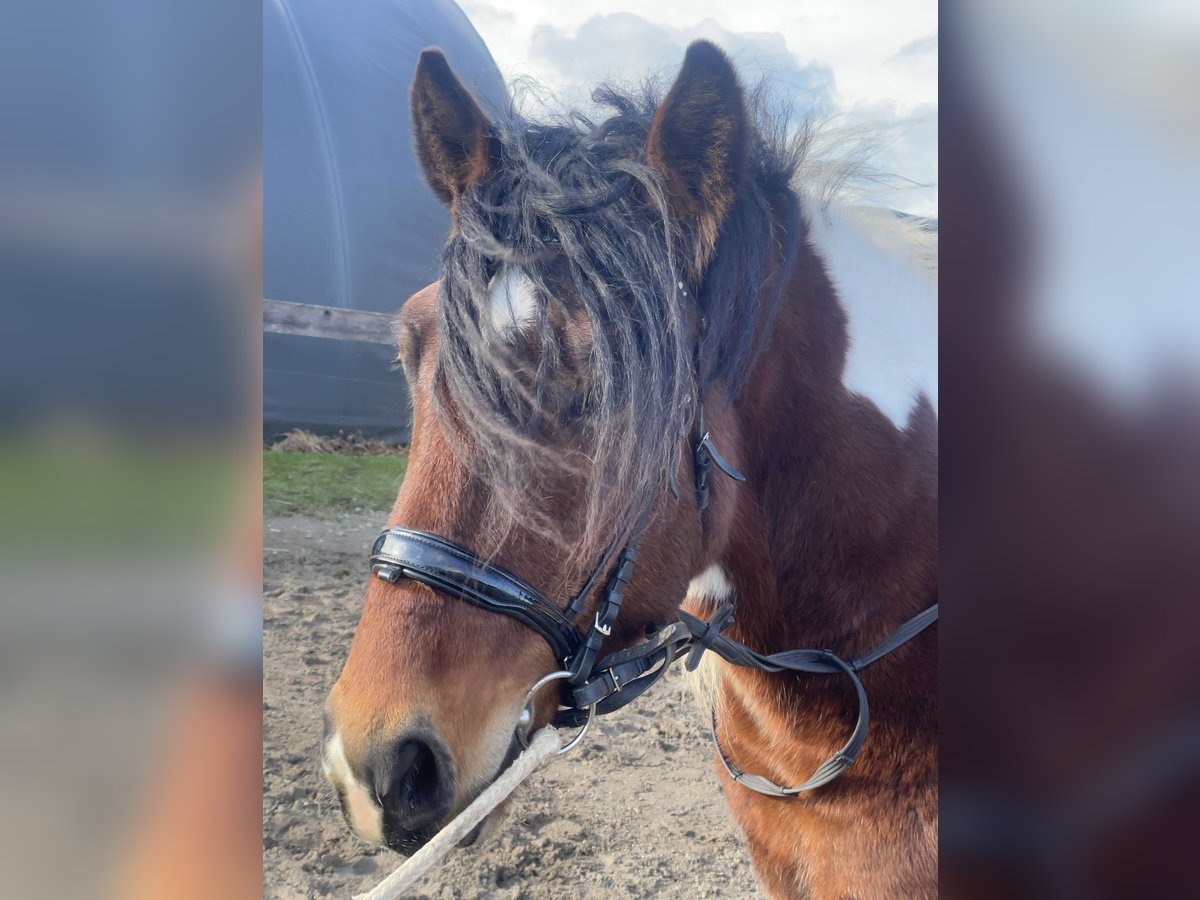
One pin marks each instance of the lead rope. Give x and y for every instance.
(544, 747)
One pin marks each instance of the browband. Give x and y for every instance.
(447, 567)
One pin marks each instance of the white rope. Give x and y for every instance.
(544, 746)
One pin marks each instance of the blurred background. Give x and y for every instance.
(138, 386)
(1070, 339)
(130, 498)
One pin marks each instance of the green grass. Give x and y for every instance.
(323, 483)
(113, 496)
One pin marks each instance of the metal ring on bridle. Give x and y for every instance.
(541, 682)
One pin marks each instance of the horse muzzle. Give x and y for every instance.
(399, 795)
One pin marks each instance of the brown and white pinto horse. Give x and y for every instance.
(599, 280)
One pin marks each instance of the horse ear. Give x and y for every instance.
(699, 142)
(449, 128)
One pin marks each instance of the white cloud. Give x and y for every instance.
(638, 47)
(919, 47)
(907, 151)
(872, 62)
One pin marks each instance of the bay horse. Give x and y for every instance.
(615, 298)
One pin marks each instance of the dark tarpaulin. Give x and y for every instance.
(348, 222)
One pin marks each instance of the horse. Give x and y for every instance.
(649, 335)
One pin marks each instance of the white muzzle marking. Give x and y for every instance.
(365, 815)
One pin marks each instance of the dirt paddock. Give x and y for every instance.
(635, 812)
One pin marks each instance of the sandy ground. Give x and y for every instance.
(635, 812)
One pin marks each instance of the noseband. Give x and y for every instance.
(445, 566)
(592, 686)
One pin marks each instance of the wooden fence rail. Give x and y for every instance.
(284, 317)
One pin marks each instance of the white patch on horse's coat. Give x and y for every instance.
(885, 276)
(514, 302)
(710, 586)
(365, 815)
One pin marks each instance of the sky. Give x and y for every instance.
(871, 64)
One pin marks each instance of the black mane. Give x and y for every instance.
(576, 206)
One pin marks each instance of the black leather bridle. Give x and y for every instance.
(593, 686)
(441, 564)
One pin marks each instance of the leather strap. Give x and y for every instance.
(705, 455)
(626, 674)
(902, 635)
(445, 566)
(844, 758)
(606, 615)
(828, 770)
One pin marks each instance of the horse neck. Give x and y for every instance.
(833, 542)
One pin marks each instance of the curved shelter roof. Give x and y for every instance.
(348, 221)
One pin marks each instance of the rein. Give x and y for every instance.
(598, 687)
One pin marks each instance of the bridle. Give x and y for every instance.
(595, 686)
(447, 567)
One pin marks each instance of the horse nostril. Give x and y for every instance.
(412, 783)
(419, 780)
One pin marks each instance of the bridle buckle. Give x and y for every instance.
(605, 630)
(388, 573)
